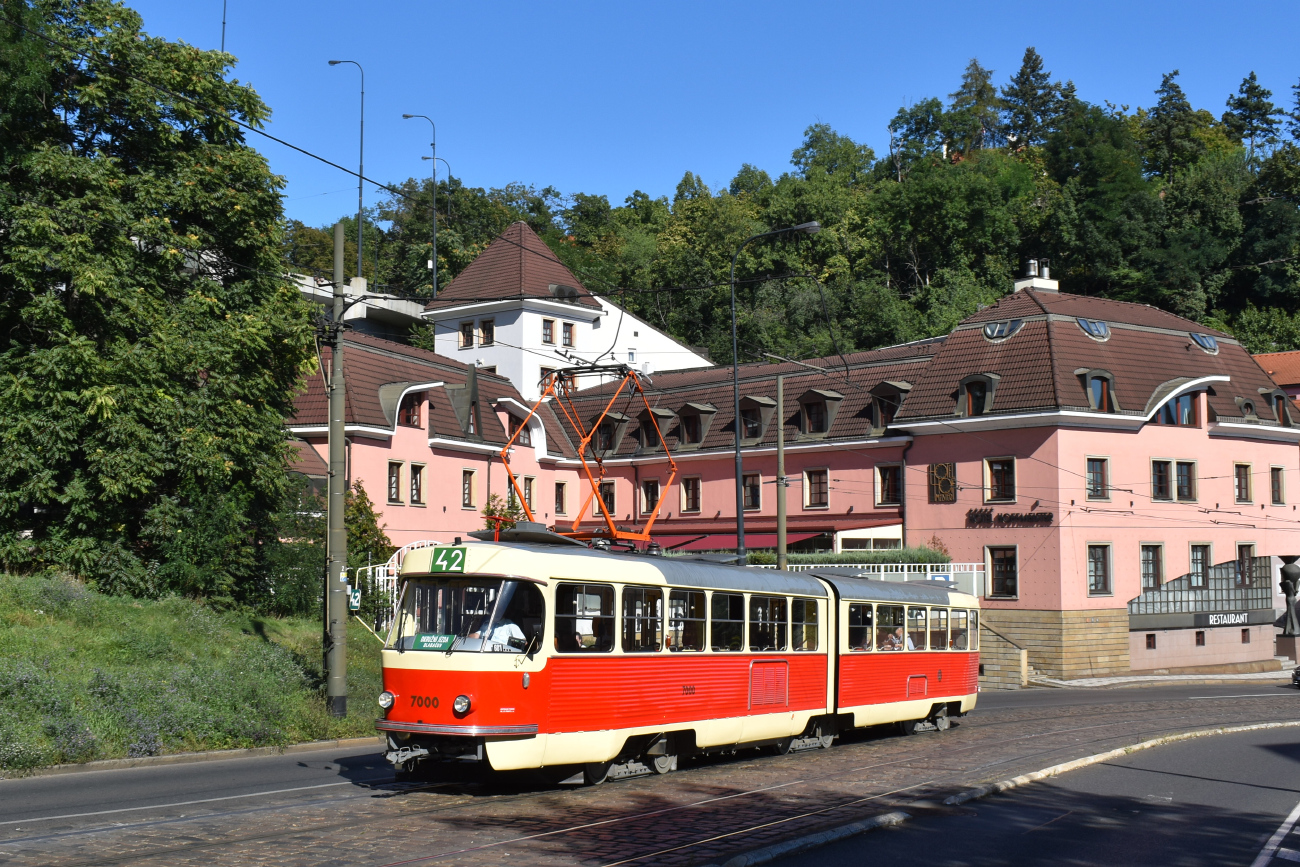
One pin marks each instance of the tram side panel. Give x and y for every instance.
(886, 687)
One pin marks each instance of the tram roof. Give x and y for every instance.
(916, 592)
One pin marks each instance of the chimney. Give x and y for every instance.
(1037, 276)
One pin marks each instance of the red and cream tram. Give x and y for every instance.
(540, 652)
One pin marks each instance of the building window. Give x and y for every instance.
(1003, 563)
(1180, 411)
(1200, 572)
(1095, 328)
(1151, 641)
(1160, 489)
(487, 332)
(1279, 410)
(1098, 479)
(607, 496)
(394, 482)
(466, 335)
(1099, 392)
(1248, 411)
(1245, 636)
(1185, 479)
(1275, 483)
(561, 506)
(751, 423)
(753, 488)
(1001, 479)
(890, 490)
(1200, 638)
(605, 436)
(814, 417)
(1241, 482)
(817, 488)
(417, 483)
(519, 430)
(631, 356)
(548, 330)
(467, 489)
(691, 494)
(691, 428)
(977, 394)
(1098, 570)
(1152, 566)
(528, 492)
(1245, 563)
(885, 408)
(566, 332)
(649, 495)
(409, 414)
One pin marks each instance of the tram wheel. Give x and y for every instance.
(825, 740)
(594, 773)
(908, 727)
(941, 721)
(782, 748)
(662, 764)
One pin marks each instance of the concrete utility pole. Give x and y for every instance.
(336, 599)
(781, 482)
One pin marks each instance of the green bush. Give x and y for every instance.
(86, 676)
(896, 555)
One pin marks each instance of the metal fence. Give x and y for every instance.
(381, 581)
(969, 577)
(1239, 585)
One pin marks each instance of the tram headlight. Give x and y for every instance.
(386, 699)
(461, 704)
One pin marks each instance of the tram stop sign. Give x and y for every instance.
(354, 598)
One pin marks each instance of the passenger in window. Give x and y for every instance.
(859, 628)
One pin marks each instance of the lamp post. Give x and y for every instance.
(809, 229)
(361, 159)
(433, 159)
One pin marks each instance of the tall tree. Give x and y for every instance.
(1171, 130)
(150, 347)
(977, 103)
(1251, 116)
(1030, 101)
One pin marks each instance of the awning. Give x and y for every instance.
(727, 541)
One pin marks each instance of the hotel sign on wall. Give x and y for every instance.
(987, 518)
(943, 483)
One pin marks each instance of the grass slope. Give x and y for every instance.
(86, 676)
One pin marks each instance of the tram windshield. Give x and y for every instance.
(480, 615)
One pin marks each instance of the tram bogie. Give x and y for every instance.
(521, 655)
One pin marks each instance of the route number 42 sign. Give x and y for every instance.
(448, 560)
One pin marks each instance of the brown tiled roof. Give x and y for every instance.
(306, 460)
(517, 264)
(1036, 365)
(1284, 367)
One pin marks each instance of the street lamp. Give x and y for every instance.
(809, 229)
(361, 160)
(433, 149)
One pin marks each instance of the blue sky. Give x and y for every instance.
(609, 97)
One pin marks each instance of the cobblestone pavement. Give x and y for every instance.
(707, 812)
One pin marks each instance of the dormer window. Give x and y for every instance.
(693, 424)
(472, 426)
(886, 398)
(608, 435)
(975, 394)
(654, 423)
(1248, 410)
(819, 408)
(1280, 411)
(1206, 342)
(691, 429)
(996, 331)
(520, 432)
(1100, 386)
(409, 413)
(755, 414)
(605, 437)
(1179, 411)
(1095, 328)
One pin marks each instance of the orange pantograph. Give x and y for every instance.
(558, 385)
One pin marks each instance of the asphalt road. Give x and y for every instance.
(184, 789)
(1210, 801)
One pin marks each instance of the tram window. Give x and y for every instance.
(860, 624)
(643, 619)
(938, 628)
(685, 620)
(957, 638)
(803, 624)
(767, 623)
(584, 618)
(974, 630)
(479, 615)
(728, 622)
(915, 628)
(889, 627)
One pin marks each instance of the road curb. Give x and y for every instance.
(1014, 782)
(812, 841)
(188, 758)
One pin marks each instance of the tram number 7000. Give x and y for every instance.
(688, 690)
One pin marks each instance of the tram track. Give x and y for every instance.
(957, 777)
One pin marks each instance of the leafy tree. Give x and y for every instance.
(975, 112)
(368, 544)
(750, 181)
(915, 133)
(500, 507)
(151, 349)
(1171, 128)
(1031, 101)
(1252, 117)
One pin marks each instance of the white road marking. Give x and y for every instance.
(1271, 847)
(173, 804)
(1288, 854)
(1244, 695)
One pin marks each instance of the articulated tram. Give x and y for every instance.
(539, 652)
